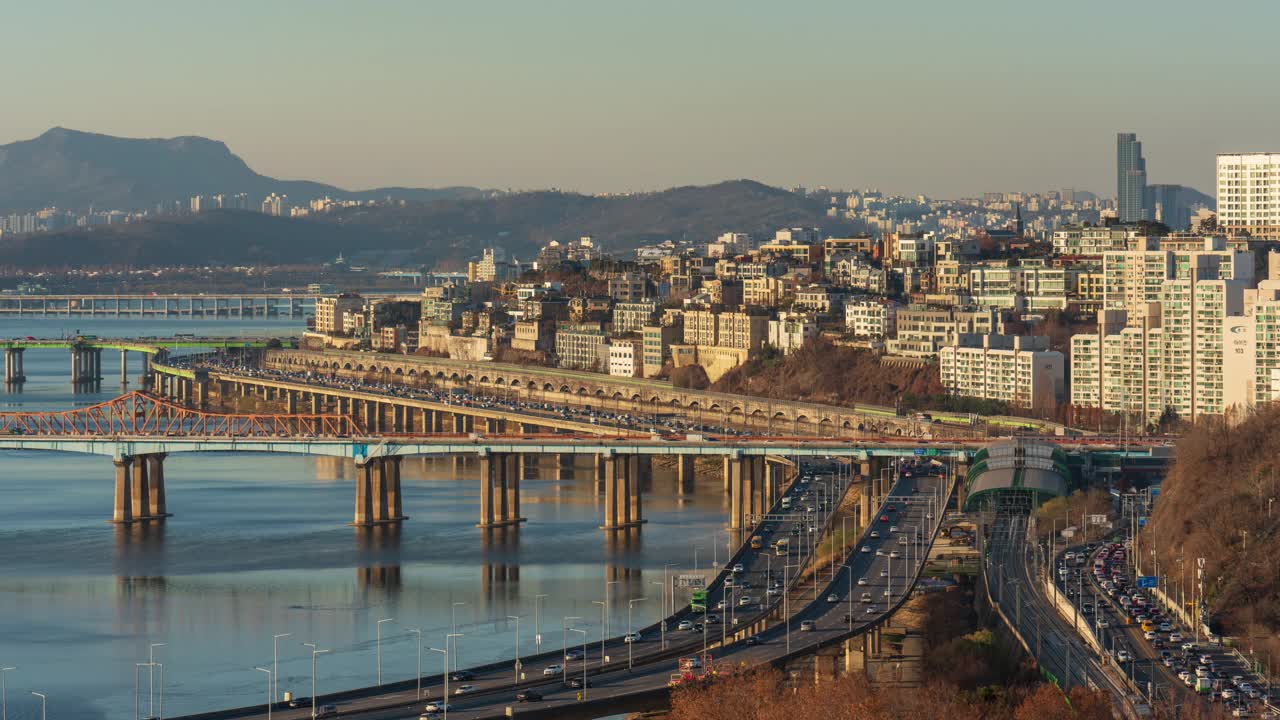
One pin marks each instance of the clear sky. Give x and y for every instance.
(935, 96)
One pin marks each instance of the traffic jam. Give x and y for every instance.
(1125, 611)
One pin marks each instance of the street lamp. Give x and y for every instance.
(584, 660)
(603, 635)
(4, 691)
(786, 598)
(379, 623)
(43, 701)
(517, 665)
(136, 668)
(275, 665)
(270, 685)
(453, 629)
(662, 598)
(151, 672)
(630, 639)
(537, 622)
(606, 602)
(564, 647)
(314, 654)
(418, 632)
(445, 697)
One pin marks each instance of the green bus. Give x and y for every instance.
(699, 601)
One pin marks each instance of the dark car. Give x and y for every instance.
(461, 676)
(577, 683)
(298, 702)
(753, 640)
(528, 696)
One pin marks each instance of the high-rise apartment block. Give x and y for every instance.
(1249, 194)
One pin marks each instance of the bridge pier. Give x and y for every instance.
(623, 507)
(13, 370)
(124, 368)
(745, 476)
(139, 488)
(499, 490)
(684, 474)
(378, 496)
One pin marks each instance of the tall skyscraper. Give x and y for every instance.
(1131, 179)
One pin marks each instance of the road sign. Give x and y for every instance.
(1142, 522)
(919, 451)
(1155, 491)
(931, 452)
(1099, 519)
(359, 450)
(690, 580)
(1148, 581)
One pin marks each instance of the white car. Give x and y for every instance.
(435, 708)
(862, 581)
(556, 669)
(685, 625)
(464, 689)
(746, 600)
(893, 528)
(893, 555)
(631, 637)
(1123, 656)
(866, 550)
(737, 568)
(833, 598)
(884, 573)
(875, 535)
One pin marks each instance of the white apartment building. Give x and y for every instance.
(791, 330)
(1018, 370)
(871, 318)
(1249, 194)
(582, 347)
(1132, 279)
(923, 331)
(1092, 241)
(633, 316)
(626, 358)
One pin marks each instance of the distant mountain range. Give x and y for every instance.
(448, 230)
(75, 170)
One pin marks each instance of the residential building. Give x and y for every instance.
(823, 299)
(791, 330)
(633, 316)
(330, 312)
(871, 318)
(582, 346)
(1249, 194)
(626, 358)
(1135, 278)
(1018, 370)
(858, 273)
(923, 331)
(533, 336)
(1131, 179)
(628, 287)
(442, 312)
(1092, 241)
(767, 291)
(657, 342)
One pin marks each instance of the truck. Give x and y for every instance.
(1204, 685)
(786, 503)
(692, 669)
(782, 546)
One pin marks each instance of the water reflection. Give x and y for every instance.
(619, 546)
(500, 570)
(378, 561)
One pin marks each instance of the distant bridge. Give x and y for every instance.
(86, 352)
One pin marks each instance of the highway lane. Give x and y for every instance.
(494, 690)
(757, 567)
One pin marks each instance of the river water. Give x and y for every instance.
(258, 545)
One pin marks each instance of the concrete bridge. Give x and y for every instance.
(86, 352)
(139, 430)
(188, 305)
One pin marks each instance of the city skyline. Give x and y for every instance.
(608, 99)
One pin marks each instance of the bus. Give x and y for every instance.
(782, 546)
(699, 601)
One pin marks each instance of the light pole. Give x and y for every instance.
(379, 623)
(786, 598)
(537, 623)
(453, 629)
(630, 639)
(584, 660)
(517, 665)
(564, 647)
(151, 673)
(444, 699)
(606, 602)
(603, 635)
(314, 654)
(270, 687)
(418, 632)
(662, 624)
(136, 689)
(4, 692)
(275, 665)
(43, 701)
